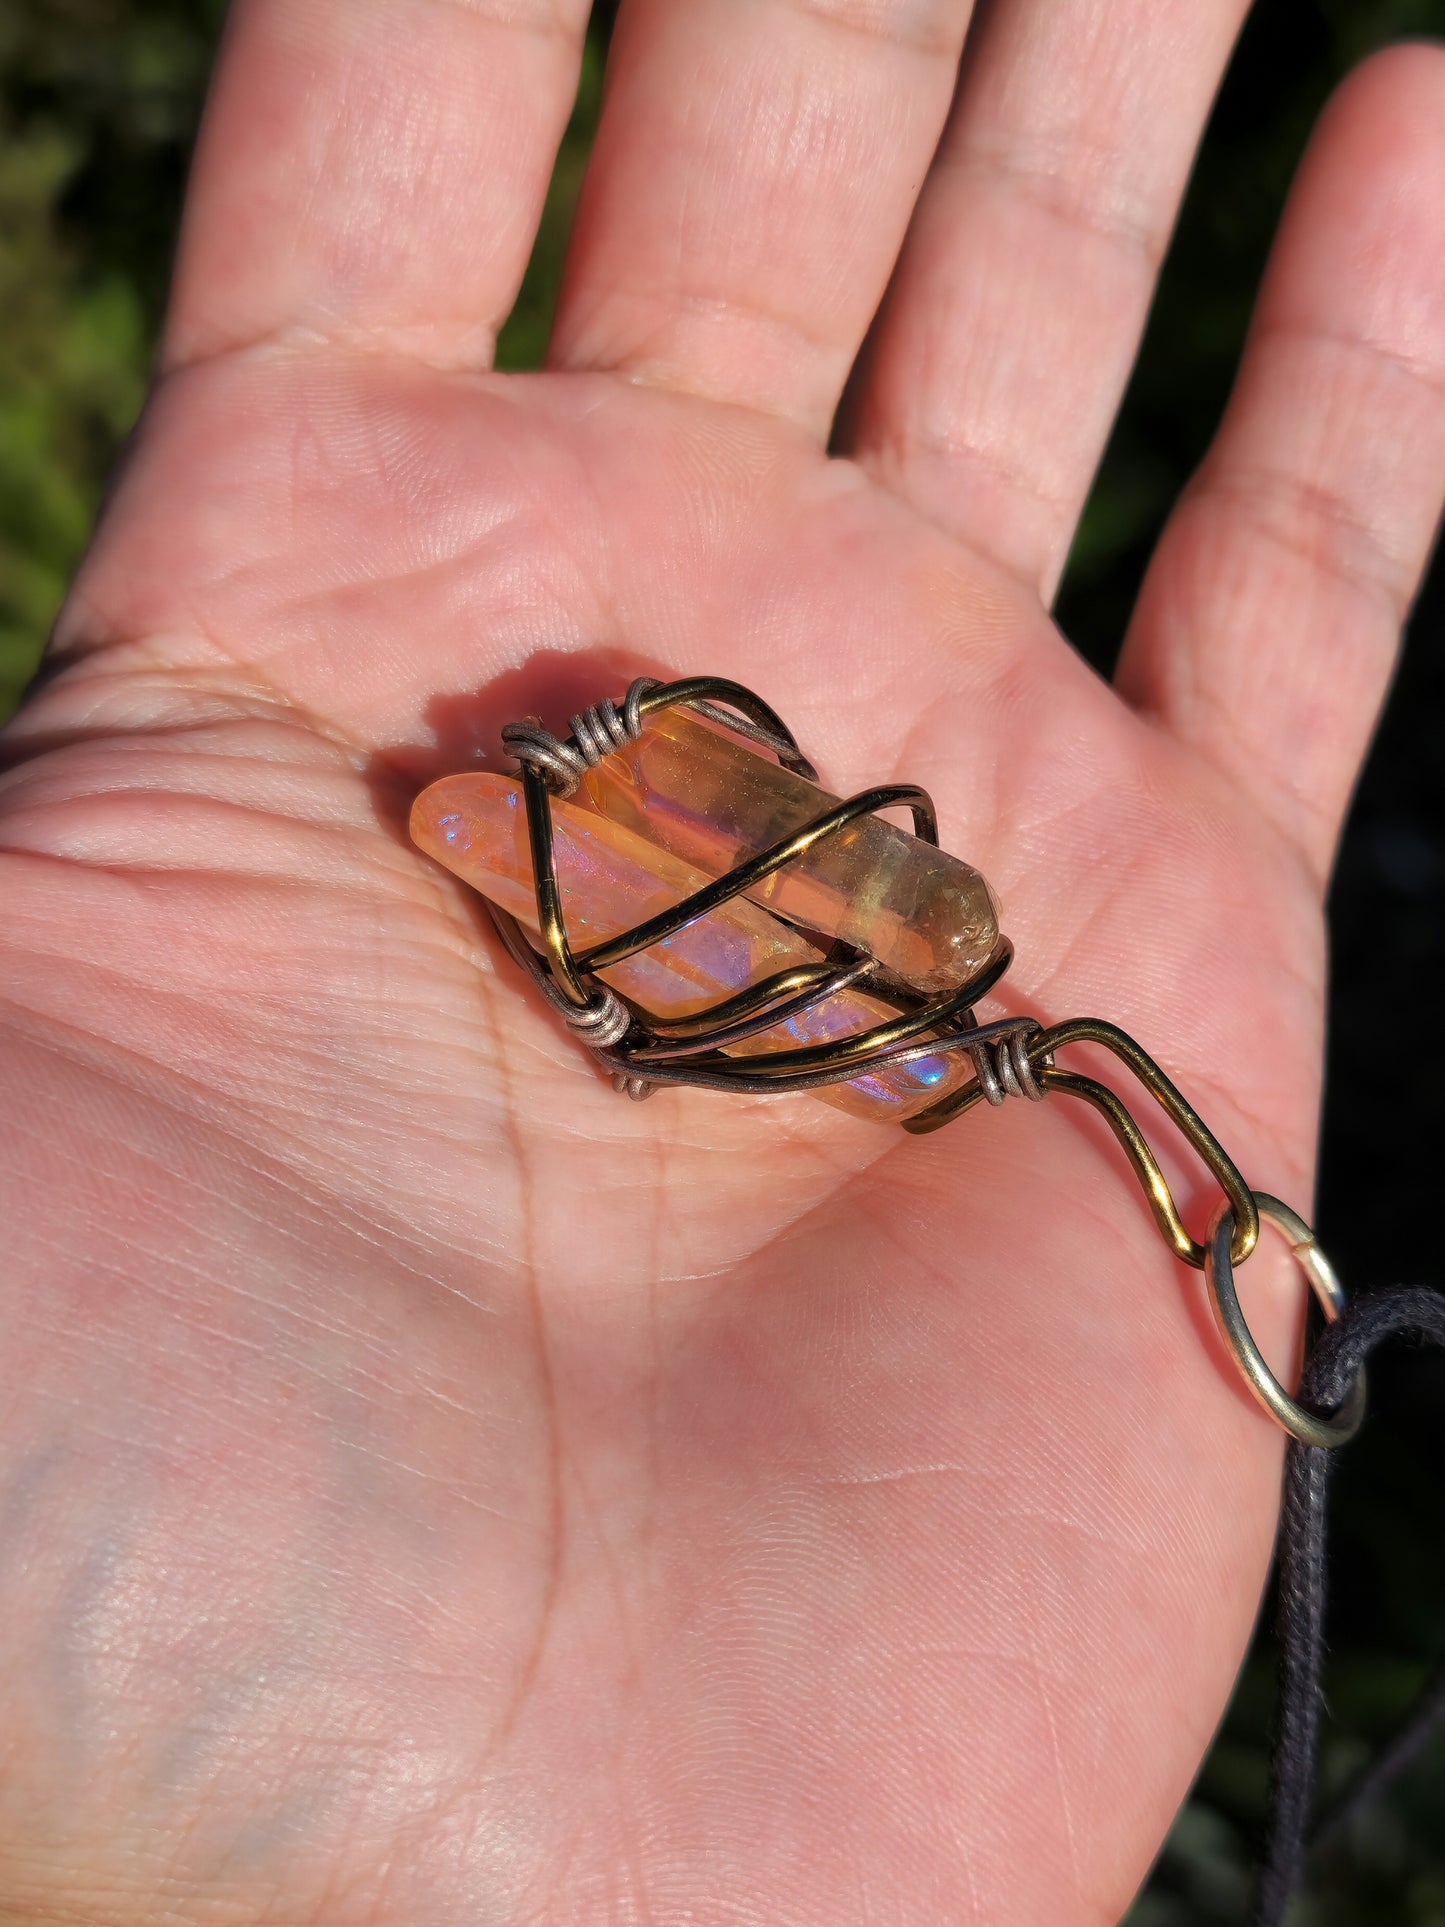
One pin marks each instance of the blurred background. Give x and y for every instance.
(98, 104)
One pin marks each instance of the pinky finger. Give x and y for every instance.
(1270, 618)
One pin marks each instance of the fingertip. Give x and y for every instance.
(1364, 236)
(1417, 64)
(1395, 94)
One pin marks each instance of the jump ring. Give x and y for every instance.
(1311, 1428)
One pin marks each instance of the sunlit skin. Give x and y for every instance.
(432, 1489)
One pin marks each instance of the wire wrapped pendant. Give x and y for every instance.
(744, 929)
(682, 891)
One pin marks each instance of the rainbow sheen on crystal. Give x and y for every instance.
(612, 879)
(708, 798)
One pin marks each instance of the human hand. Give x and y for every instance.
(433, 1490)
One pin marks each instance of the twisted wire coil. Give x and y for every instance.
(596, 732)
(604, 1020)
(605, 726)
(1004, 1066)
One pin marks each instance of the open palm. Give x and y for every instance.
(433, 1490)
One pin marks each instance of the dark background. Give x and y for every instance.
(98, 103)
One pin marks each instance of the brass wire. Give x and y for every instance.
(745, 876)
(759, 995)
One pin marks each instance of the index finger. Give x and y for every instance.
(373, 170)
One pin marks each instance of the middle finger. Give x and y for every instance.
(753, 175)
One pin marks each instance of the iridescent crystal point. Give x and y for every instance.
(713, 801)
(612, 879)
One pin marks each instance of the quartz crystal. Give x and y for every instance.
(713, 801)
(612, 879)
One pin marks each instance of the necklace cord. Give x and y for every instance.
(1416, 1315)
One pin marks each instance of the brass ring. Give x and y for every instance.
(1311, 1428)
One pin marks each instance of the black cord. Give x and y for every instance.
(1367, 1322)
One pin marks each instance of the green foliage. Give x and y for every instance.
(98, 104)
(70, 384)
(523, 341)
(98, 101)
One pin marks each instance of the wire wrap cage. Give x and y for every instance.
(642, 1050)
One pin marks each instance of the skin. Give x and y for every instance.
(433, 1489)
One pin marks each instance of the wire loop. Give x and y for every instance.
(1311, 1428)
(1041, 1047)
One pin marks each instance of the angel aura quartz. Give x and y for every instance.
(612, 876)
(710, 799)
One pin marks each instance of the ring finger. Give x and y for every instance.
(1013, 319)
